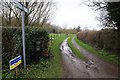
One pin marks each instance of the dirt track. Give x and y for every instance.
(94, 68)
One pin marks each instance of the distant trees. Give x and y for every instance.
(78, 28)
(39, 13)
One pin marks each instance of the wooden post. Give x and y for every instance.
(54, 36)
(16, 72)
(51, 39)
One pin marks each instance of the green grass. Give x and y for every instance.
(52, 35)
(47, 68)
(101, 53)
(75, 50)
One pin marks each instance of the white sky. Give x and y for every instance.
(70, 14)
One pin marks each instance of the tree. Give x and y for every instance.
(113, 9)
(109, 13)
(6, 13)
(39, 12)
(78, 29)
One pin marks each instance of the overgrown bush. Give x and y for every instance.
(7, 46)
(104, 39)
(36, 42)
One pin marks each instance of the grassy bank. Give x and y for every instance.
(56, 67)
(75, 50)
(46, 68)
(101, 53)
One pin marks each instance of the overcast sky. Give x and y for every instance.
(70, 14)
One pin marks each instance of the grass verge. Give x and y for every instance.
(46, 68)
(75, 50)
(101, 53)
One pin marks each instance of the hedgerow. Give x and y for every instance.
(36, 42)
(103, 39)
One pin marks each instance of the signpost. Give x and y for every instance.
(21, 6)
(24, 9)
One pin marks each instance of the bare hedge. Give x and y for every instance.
(104, 39)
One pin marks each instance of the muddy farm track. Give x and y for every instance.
(94, 68)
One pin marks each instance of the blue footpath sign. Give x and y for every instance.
(15, 62)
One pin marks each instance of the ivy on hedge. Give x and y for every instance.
(36, 42)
